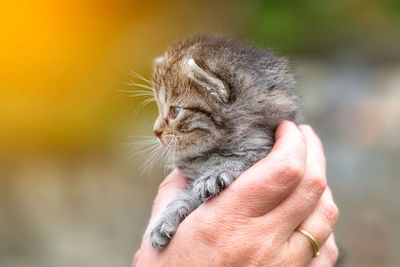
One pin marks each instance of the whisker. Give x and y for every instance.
(134, 153)
(143, 136)
(163, 159)
(144, 103)
(152, 159)
(142, 140)
(138, 76)
(171, 160)
(136, 91)
(141, 94)
(139, 143)
(141, 86)
(155, 153)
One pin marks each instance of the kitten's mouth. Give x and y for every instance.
(172, 148)
(181, 148)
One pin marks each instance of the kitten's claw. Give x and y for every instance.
(161, 234)
(221, 182)
(209, 185)
(204, 195)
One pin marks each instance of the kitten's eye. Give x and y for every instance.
(174, 112)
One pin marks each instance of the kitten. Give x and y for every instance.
(219, 104)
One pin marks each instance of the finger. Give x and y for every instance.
(319, 224)
(264, 185)
(296, 207)
(174, 183)
(316, 159)
(168, 189)
(328, 256)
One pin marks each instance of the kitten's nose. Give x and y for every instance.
(158, 133)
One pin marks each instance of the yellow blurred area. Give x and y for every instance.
(62, 62)
(56, 71)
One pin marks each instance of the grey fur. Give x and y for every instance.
(232, 97)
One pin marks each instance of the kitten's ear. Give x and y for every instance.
(214, 85)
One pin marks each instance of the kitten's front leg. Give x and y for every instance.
(216, 179)
(166, 224)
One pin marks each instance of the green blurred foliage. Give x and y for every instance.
(315, 27)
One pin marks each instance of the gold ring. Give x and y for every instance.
(312, 239)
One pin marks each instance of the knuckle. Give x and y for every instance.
(332, 213)
(292, 168)
(316, 183)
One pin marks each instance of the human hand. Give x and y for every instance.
(253, 221)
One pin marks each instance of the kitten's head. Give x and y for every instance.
(197, 83)
(184, 92)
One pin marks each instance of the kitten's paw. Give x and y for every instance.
(210, 185)
(161, 234)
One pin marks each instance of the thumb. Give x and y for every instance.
(168, 189)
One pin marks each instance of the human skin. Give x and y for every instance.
(253, 221)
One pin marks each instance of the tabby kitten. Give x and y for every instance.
(219, 104)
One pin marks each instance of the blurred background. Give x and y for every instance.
(70, 195)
